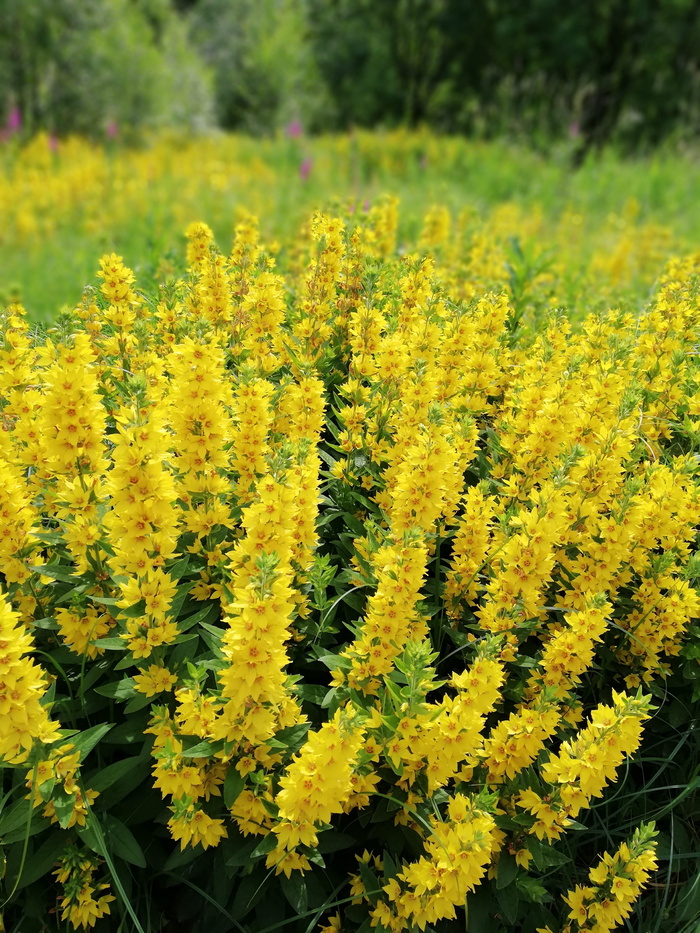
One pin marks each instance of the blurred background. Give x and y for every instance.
(593, 72)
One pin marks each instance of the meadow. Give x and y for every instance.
(65, 203)
(348, 537)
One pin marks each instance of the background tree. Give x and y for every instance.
(78, 65)
(265, 73)
(606, 70)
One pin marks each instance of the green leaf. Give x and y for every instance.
(61, 572)
(366, 926)
(234, 783)
(49, 537)
(16, 816)
(508, 900)
(129, 732)
(181, 857)
(369, 879)
(481, 907)
(545, 856)
(202, 750)
(105, 600)
(532, 889)
(138, 702)
(689, 900)
(46, 789)
(135, 611)
(97, 670)
(122, 842)
(242, 853)
(267, 845)
(389, 869)
(209, 613)
(43, 860)
(354, 525)
(38, 824)
(113, 643)
(251, 889)
(179, 600)
(186, 639)
(90, 835)
(63, 804)
(177, 571)
(212, 636)
(335, 661)
(330, 515)
(183, 650)
(507, 870)
(294, 889)
(335, 842)
(292, 737)
(127, 661)
(105, 777)
(85, 741)
(121, 690)
(112, 833)
(312, 693)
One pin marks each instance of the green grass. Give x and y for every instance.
(420, 169)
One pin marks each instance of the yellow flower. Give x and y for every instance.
(192, 826)
(576, 900)
(317, 784)
(23, 718)
(156, 679)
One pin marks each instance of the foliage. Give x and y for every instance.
(265, 73)
(600, 71)
(350, 592)
(100, 66)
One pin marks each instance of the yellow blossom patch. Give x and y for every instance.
(325, 570)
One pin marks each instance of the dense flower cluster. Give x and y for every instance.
(343, 545)
(84, 901)
(615, 884)
(24, 719)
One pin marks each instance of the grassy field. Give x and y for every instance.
(349, 507)
(65, 204)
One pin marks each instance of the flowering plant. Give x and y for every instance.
(346, 583)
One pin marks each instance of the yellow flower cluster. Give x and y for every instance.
(615, 884)
(23, 718)
(586, 764)
(84, 901)
(363, 529)
(316, 785)
(457, 855)
(60, 771)
(391, 615)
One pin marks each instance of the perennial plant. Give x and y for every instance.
(358, 580)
